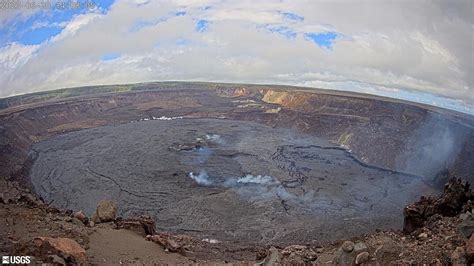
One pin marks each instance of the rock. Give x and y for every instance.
(10, 195)
(172, 243)
(343, 258)
(65, 246)
(456, 193)
(470, 248)
(260, 254)
(360, 247)
(77, 222)
(458, 257)
(295, 253)
(80, 216)
(464, 216)
(347, 246)
(423, 236)
(387, 249)
(362, 258)
(466, 227)
(274, 258)
(142, 225)
(56, 260)
(105, 212)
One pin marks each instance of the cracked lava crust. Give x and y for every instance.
(223, 179)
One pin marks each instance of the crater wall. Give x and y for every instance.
(391, 134)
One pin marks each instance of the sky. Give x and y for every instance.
(420, 51)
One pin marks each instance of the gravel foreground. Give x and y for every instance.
(437, 231)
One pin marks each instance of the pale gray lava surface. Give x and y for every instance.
(308, 188)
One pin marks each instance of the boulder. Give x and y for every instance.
(388, 250)
(347, 246)
(345, 255)
(466, 227)
(360, 247)
(343, 258)
(67, 248)
(274, 258)
(105, 212)
(362, 257)
(80, 216)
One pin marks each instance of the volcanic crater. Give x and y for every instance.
(240, 163)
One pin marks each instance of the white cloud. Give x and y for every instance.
(14, 55)
(417, 46)
(75, 25)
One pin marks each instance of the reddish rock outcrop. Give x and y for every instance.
(143, 225)
(450, 203)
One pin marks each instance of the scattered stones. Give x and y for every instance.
(296, 253)
(105, 212)
(362, 258)
(347, 246)
(171, 243)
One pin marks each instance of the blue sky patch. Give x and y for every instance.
(182, 42)
(324, 39)
(39, 35)
(141, 23)
(43, 24)
(202, 25)
(282, 30)
(292, 16)
(110, 56)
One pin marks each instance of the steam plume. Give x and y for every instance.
(202, 178)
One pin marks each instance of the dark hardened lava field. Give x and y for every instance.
(223, 179)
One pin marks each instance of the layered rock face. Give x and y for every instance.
(416, 139)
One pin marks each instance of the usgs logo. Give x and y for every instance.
(16, 260)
